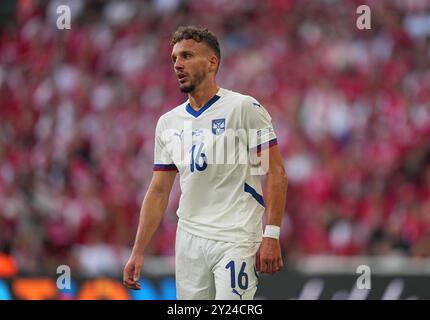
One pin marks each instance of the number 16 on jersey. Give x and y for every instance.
(198, 159)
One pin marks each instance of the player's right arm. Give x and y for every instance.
(151, 213)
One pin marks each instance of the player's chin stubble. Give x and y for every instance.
(192, 86)
(187, 89)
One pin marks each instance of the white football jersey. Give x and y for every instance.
(221, 195)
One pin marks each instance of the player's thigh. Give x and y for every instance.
(236, 277)
(194, 279)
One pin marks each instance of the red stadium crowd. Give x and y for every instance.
(78, 110)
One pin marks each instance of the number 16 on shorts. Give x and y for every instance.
(239, 279)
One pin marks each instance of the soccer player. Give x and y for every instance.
(220, 246)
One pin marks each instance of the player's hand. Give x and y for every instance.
(269, 257)
(132, 270)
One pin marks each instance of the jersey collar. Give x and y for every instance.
(195, 113)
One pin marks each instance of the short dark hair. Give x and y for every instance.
(198, 35)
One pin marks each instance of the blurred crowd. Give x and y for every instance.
(78, 108)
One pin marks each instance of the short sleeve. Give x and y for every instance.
(258, 123)
(162, 159)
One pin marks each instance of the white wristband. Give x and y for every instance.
(272, 231)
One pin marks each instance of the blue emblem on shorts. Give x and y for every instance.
(218, 126)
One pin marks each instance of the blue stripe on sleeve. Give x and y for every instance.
(254, 194)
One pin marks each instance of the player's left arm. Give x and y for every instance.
(269, 256)
(263, 141)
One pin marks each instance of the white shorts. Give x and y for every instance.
(207, 269)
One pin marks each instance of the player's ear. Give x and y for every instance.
(213, 63)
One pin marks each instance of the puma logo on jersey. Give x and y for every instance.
(179, 134)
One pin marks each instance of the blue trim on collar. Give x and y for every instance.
(195, 113)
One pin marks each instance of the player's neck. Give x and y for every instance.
(200, 96)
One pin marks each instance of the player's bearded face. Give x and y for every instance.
(190, 64)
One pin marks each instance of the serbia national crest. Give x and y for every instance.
(218, 126)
